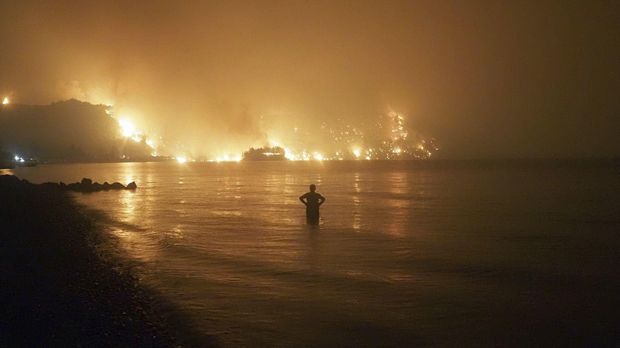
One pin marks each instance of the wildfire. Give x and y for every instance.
(289, 155)
(128, 129)
(386, 138)
(228, 158)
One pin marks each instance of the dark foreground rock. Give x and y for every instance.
(87, 185)
(57, 289)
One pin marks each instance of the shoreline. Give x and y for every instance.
(60, 287)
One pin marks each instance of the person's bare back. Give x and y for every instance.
(312, 200)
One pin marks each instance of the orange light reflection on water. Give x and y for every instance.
(357, 208)
(398, 203)
(134, 210)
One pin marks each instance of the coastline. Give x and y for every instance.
(58, 288)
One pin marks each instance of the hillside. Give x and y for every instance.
(64, 131)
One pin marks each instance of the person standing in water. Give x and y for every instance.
(312, 200)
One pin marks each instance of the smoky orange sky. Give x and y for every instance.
(485, 78)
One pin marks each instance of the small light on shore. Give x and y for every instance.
(5, 101)
(181, 159)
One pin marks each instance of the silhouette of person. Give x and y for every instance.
(312, 200)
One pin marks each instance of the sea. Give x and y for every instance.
(407, 253)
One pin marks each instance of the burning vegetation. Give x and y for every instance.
(386, 139)
(79, 131)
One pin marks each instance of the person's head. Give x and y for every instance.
(312, 187)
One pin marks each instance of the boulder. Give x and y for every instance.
(117, 186)
(86, 185)
(51, 185)
(74, 186)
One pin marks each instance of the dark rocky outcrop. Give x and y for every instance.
(86, 185)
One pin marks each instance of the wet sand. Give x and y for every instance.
(60, 287)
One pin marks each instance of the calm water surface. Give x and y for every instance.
(440, 253)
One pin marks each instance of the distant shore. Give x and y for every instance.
(59, 289)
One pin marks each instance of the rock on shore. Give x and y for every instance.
(87, 185)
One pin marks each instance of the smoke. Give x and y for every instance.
(221, 76)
